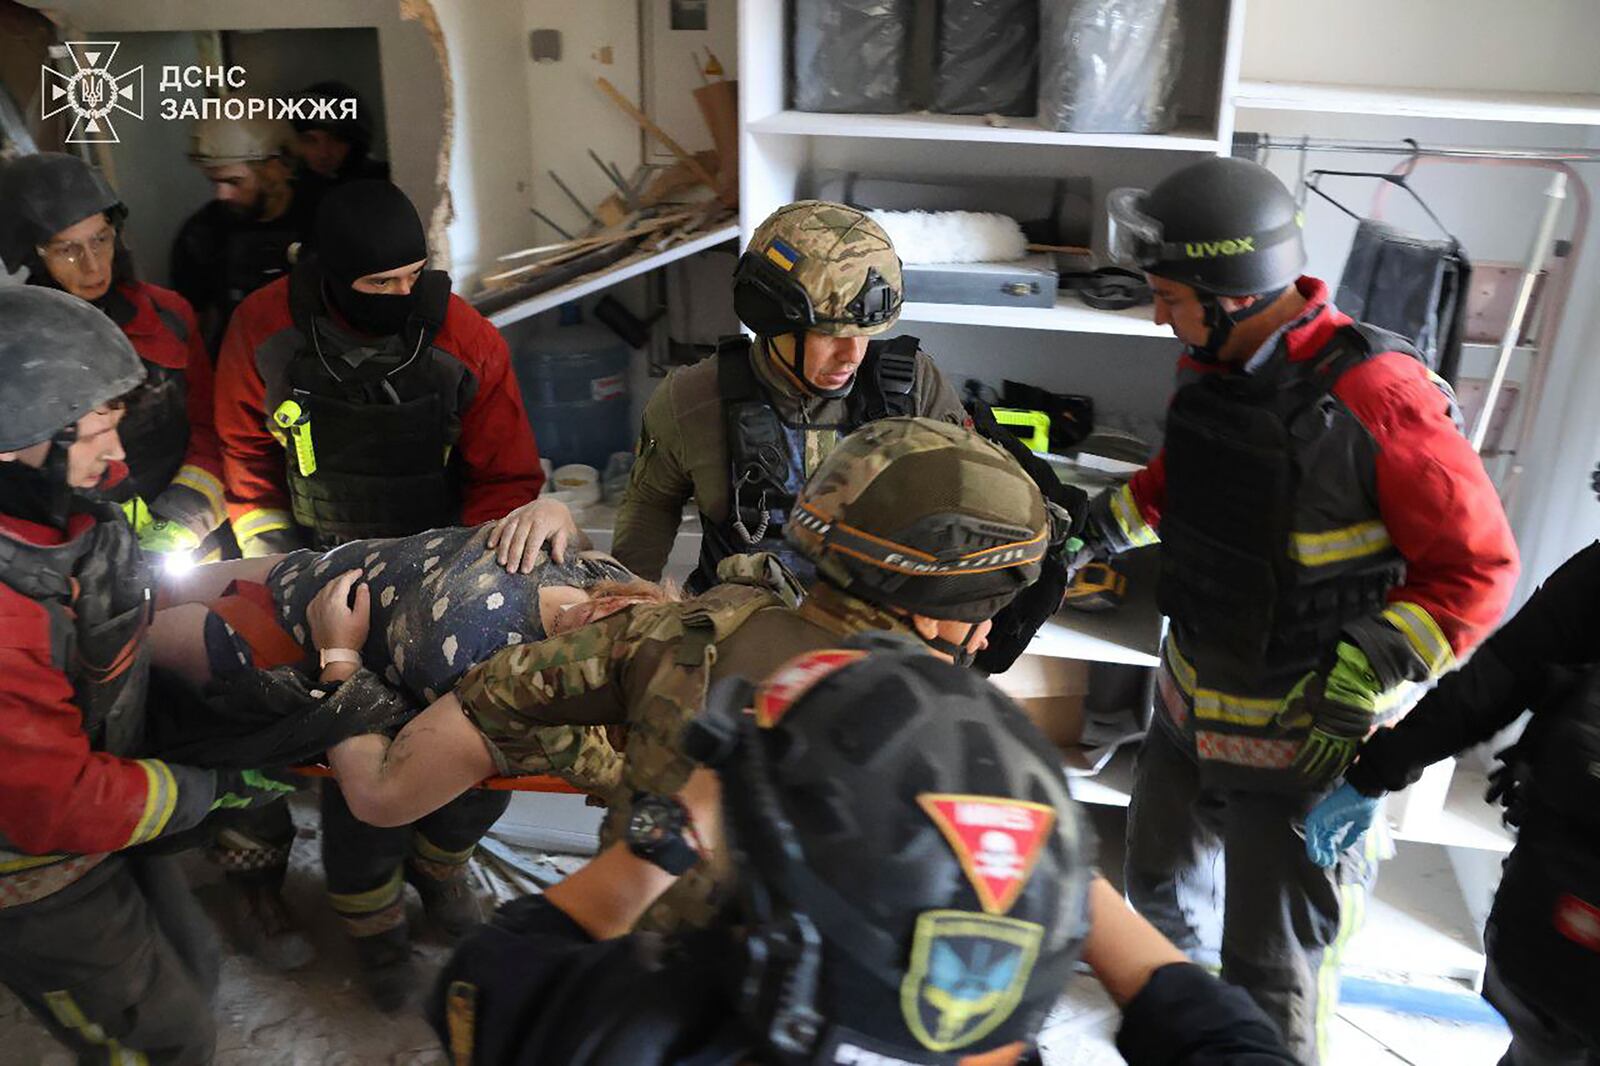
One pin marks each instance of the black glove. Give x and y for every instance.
(1505, 787)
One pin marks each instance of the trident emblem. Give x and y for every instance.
(92, 93)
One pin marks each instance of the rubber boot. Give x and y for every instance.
(447, 895)
(386, 970)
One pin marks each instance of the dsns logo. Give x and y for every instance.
(92, 93)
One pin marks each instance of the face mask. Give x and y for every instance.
(375, 314)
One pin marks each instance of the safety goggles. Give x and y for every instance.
(1132, 237)
(74, 253)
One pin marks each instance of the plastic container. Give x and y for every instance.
(576, 485)
(574, 382)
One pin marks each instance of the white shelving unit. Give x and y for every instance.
(1579, 109)
(925, 126)
(630, 267)
(1069, 315)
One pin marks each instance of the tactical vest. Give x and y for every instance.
(380, 433)
(766, 455)
(155, 427)
(96, 591)
(1243, 607)
(1546, 916)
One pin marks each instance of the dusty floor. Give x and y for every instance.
(319, 1016)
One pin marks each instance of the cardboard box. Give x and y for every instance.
(1051, 692)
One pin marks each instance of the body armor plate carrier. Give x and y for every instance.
(381, 432)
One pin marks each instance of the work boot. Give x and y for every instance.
(266, 928)
(386, 970)
(447, 896)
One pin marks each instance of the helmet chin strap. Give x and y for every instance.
(797, 366)
(961, 654)
(1220, 321)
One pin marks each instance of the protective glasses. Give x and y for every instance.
(75, 253)
(1132, 237)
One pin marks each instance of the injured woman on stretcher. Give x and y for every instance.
(245, 634)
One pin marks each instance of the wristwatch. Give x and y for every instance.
(660, 831)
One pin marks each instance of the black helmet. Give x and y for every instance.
(913, 871)
(923, 516)
(43, 194)
(60, 358)
(355, 131)
(1225, 226)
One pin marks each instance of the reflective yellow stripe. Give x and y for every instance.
(205, 483)
(1352, 912)
(1339, 545)
(427, 850)
(28, 862)
(160, 798)
(1424, 635)
(69, 1015)
(1217, 706)
(260, 521)
(367, 902)
(1126, 511)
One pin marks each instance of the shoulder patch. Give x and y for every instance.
(966, 976)
(794, 679)
(998, 841)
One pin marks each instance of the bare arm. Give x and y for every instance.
(1122, 948)
(437, 756)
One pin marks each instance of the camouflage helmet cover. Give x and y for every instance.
(924, 516)
(831, 252)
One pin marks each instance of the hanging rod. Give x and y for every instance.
(1250, 143)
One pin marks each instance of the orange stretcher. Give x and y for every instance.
(530, 783)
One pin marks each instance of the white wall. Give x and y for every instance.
(1532, 45)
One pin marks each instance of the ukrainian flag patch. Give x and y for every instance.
(783, 255)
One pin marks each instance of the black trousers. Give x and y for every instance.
(122, 959)
(1197, 855)
(364, 864)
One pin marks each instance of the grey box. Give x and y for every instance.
(1027, 282)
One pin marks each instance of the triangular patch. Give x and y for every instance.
(126, 90)
(57, 92)
(92, 57)
(91, 126)
(998, 841)
(796, 677)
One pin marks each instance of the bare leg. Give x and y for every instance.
(178, 642)
(205, 583)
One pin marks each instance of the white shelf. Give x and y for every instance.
(1417, 924)
(1130, 634)
(923, 126)
(1467, 820)
(1069, 315)
(1580, 109)
(631, 267)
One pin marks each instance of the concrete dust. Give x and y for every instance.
(316, 1016)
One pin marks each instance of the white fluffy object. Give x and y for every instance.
(953, 236)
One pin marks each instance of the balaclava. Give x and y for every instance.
(367, 227)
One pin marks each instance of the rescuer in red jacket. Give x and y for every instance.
(1329, 541)
(61, 220)
(107, 949)
(358, 398)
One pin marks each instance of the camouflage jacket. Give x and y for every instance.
(552, 707)
(683, 450)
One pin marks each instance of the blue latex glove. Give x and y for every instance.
(1338, 822)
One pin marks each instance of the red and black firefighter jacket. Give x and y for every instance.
(74, 609)
(168, 432)
(467, 385)
(1321, 491)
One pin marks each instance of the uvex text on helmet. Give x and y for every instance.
(915, 817)
(60, 358)
(924, 516)
(45, 193)
(1224, 226)
(820, 267)
(217, 142)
